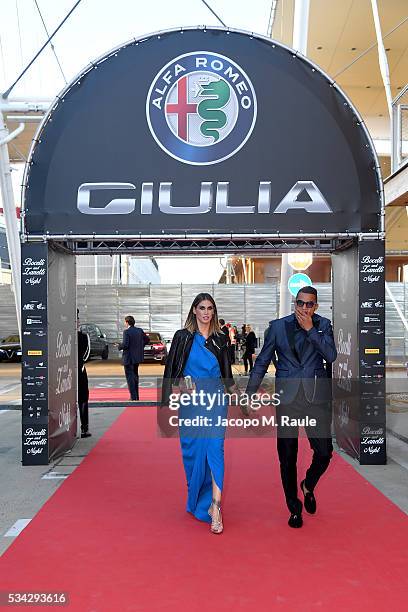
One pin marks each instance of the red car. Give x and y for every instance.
(156, 350)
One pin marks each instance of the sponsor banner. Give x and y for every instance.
(208, 145)
(373, 444)
(371, 263)
(359, 371)
(34, 358)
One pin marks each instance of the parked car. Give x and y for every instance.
(156, 350)
(10, 348)
(99, 344)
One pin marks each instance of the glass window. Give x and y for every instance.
(153, 337)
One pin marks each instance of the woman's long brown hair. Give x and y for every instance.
(191, 321)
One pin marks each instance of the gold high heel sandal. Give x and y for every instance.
(216, 517)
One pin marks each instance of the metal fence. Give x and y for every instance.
(164, 308)
(396, 336)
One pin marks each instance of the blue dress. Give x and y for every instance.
(203, 446)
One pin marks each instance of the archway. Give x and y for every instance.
(201, 140)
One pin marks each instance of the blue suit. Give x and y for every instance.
(298, 356)
(304, 389)
(134, 340)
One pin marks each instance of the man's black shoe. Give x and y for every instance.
(85, 434)
(310, 500)
(295, 521)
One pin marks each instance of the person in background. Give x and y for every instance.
(250, 346)
(84, 348)
(233, 342)
(132, 345)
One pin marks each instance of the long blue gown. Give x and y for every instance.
(203, 448)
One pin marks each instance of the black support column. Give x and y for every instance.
(49, 353)
(359, 372)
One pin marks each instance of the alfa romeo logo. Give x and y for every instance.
(201, 108)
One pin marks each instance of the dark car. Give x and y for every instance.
(10, 348)
(156, 350)
(99, 344)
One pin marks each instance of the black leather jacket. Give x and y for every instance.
(178, 355)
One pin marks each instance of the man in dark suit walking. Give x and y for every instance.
(298, 345)
(133, 343)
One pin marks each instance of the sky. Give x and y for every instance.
(95, 27)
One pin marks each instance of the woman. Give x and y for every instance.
(250, 346)
(200, 351)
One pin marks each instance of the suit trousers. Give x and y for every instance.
(84, 416)
(132, 377)
(319, 439)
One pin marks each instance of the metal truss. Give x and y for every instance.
(194, 246)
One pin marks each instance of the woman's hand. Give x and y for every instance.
(182, 387)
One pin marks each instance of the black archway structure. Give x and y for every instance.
(201, 140)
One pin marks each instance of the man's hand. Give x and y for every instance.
(246, 407)
(304, 320)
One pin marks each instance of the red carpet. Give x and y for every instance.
(149, 394)
(116, 537)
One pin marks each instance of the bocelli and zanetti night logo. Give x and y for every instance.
(201, 108)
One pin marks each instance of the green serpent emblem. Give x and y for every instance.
(209, 109)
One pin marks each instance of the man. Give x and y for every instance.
(84, 348)
(298, 344)
(133, 343)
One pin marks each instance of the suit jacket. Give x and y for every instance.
(133, 343)
(250, 343)
(293, 366)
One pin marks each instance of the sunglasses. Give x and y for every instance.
(301, 303)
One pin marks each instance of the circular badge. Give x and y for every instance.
(297, 281)
(201, 108)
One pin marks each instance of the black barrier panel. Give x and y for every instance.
(34, 358)
(202, 130)
(345, 369)
(359, 372)
(62, 346)
(371, 256)
(49, 380)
